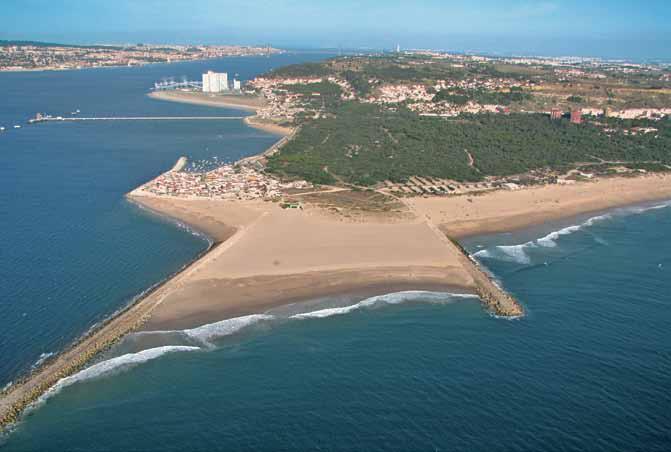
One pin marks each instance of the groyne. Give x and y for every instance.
(495, 298)
(178, 166)
(492, 296)
(270, 151)
(29, 389)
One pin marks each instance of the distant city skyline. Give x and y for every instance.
(620, 29)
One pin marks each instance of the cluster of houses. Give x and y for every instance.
(420, 97)
(21, 57)
(285, 105)
(225, 182)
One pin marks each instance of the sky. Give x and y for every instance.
(608, 28)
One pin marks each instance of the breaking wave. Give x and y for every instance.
(389, 299)
(201, 338)
(519, 253)
(42, 358)
(206, 333)
(113, 366)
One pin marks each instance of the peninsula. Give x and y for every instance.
(377, 177)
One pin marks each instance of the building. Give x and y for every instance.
(214, 82)
(556, 113)
(576, 116)
(236, 85)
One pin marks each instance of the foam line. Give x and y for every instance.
(388, 299)
(113, 366)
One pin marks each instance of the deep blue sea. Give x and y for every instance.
(588, 368)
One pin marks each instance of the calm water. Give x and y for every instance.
(72, 249)
(589, 367)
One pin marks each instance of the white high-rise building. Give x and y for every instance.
(206, 83)
(214, 82)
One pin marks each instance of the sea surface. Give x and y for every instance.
(72, 249)
(587, 369)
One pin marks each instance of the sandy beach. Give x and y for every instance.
(249, 103)
(212, 100)
(278, 256)
(265, 256)
(506, 210)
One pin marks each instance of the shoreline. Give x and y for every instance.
(294, 288)
(254, 293)
(467, 216)
(75, 357)
(262, 257)
(233, 102)
(117, 66)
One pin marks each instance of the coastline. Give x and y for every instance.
(112, 66)
(504, 210)
(236, 102)
(254, 290)
(98, 339)
(263, 257)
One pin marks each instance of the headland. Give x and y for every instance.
(269, 253)
(279, 239)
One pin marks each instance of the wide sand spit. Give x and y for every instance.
(265, 256)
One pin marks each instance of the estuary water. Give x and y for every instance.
(72, 249)
(588, 368)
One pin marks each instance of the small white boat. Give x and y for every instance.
(2, 129)
(17, 126)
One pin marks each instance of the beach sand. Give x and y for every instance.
(211, 100)
(250, 103)
(265, 256)
(278, 256)
(505, 210)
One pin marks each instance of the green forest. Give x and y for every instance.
(461, 96)
(363, 144)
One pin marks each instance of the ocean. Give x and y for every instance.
(588, 367)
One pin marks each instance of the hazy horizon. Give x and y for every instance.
(553, 28)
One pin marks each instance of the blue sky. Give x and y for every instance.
(608, 27)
